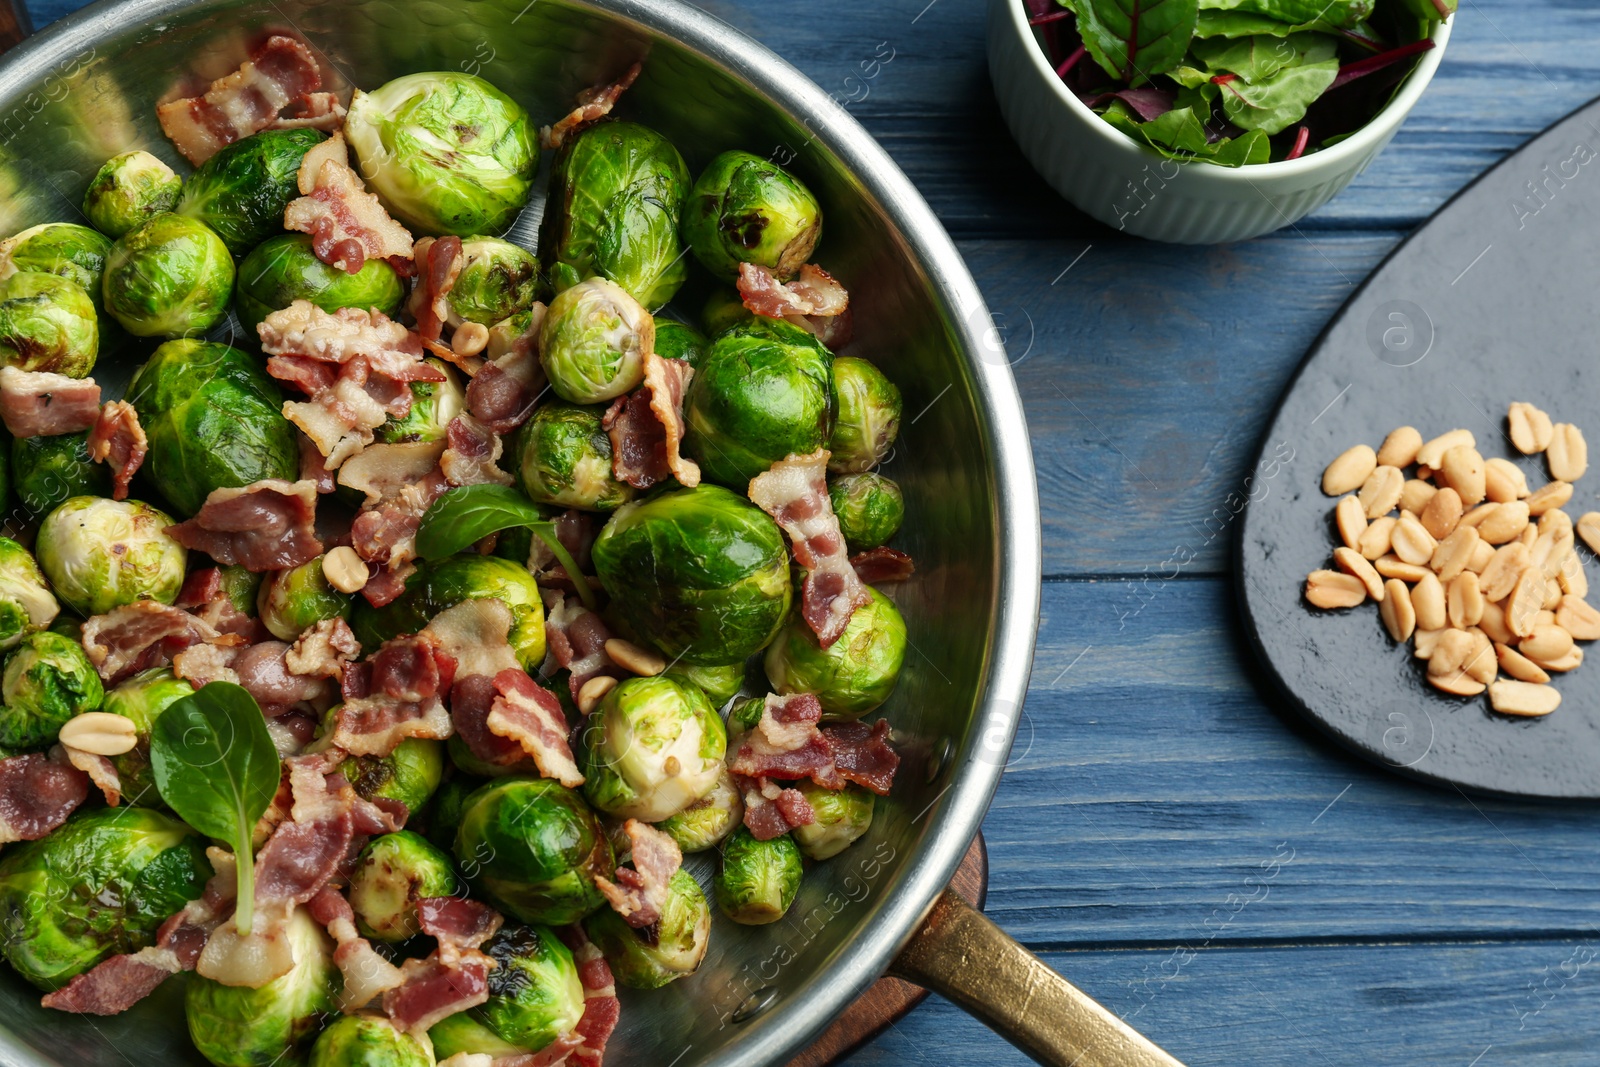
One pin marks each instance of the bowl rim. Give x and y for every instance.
(1360, 145)
(950, 822)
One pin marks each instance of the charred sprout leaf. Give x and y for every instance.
(466, 515)
(1133, 40)
(215, 765)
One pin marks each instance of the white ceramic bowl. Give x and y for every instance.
(1133, 188)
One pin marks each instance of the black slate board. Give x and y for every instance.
(1495, 299)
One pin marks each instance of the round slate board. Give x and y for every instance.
(1495, 299)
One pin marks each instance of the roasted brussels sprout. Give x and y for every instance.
(720, 683)
(127, 191)
(443, 815)
(446, 152)
(651, 748)
(758, 880)
(519, 331)
(292, 601)
(868, 416)
(709, 820)
(745, 209)
(47, 323)
(241, 191)
(436, 586)
(564, 457)
(48, 470)
(854, 674)
(672, 950)
(497, 280)
(64, 249)
(47, 680)
(26, 603)
(237, 1026)
(283, 269)
(171, 277)
(534, 997)
(433, 406)
(843, 815)
(724, 308)
(214, 420)
(869, 507)
(394, 872)
(241, 587)
(701, 573)
(101, 553)
(593, 340)
(532, 847)
(764, 392)
(674, 340)
(100, 885)
(616, 194)
(409, 774)
(368, 1041)
(143, 698)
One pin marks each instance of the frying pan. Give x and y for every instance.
(85, 89)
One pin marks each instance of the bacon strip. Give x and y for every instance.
(503, 393)
(265, 526)
(140, 635)
(367, 975)
(37, 793)
(814, 301)
(456, 976)
(601, 1008)
(347, 224)
(118, 437)
(862, 754)
(594, 103)
(439, 261)
(772, 811)
(42, 404)
(280, 72)
(472, 454)
(530, 715)
(639, 893)
(405, 680)
(646, 427)
(323, 651)
(882, 564)
(787, 744)
(576, 639)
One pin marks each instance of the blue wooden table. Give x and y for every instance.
(1227, 881)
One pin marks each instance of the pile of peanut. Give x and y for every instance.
(1479, 572)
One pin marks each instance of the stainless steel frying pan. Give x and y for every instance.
(85, 89)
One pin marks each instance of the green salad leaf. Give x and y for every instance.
(1269, 82)
(463, 516)
(1135, 40)
(1340, 14)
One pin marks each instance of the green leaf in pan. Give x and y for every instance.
(1133, 40)
(463, 516)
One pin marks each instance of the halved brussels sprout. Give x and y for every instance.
(237, 1026)
(47, 323)
(709, 820)
(368, 1041)
(564, 457)
(100, 553)
(294, 600)
(532, 847)
(408, 775)
(241, 191)
(674, 340)
(64, 249)
(47, 680)
(436, 586)
(129, 190)
(745, 209)
(433, 406)
(26, 603)
(763, 392)
(498, 279)
(853, 675)
(869, 507)
(446, 152)
(843, 815)
(283, 269)
(101, 884)
(651, 748)
(868, 417)
(671, 950)
(142, 699)
(171, 277)
(394, 872)
(701, 573)
(616, 195)
(48, 470)
(758, 880)
(720, 683)
(534, 997)
(214, 420)
(593, 340)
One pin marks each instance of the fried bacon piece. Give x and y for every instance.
(525, 712)
(265, 526)
(640, 892)
(42, 404)
(882, 564)
(279, 73)
(118, 438)
(646, 427)
(594, 103)
(37, 793)
(347, 224)
(456, 976)
(814, 301)
(439, 261)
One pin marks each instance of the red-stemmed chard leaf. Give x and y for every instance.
(1134, 40)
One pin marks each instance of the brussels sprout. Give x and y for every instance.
(708, 820)
(593, 340)
(616, 194)
(854, 674)
(701, 573)
(436, 586)
(171, 277)
(843, 815)
(47, 680)
(241, 587)
(240, 192)
(532, 847)
(143, 698)
(394, 872)
(102, 884)
(47, 323)
(674, 340)
(651, 748)
(745, 209)
(236, 1026)
(443, 815)
(534, 997)
(368, 1041)
(742, 718)
(292, 601)
(214, 420)
(720, 683)
(446, 152)
(26, 603)
(64, 249)
(668, 952)
(48, 470)
(101, 553)
(868, 416)
(758, 880)
(283, 269)
(724, 309)
(127, 191)
(764, 392)
(507, 335)
(408, 775)
(433, 406)
(564, 457)
(869, 507)
(498, 279)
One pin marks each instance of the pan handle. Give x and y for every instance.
(961, 955)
